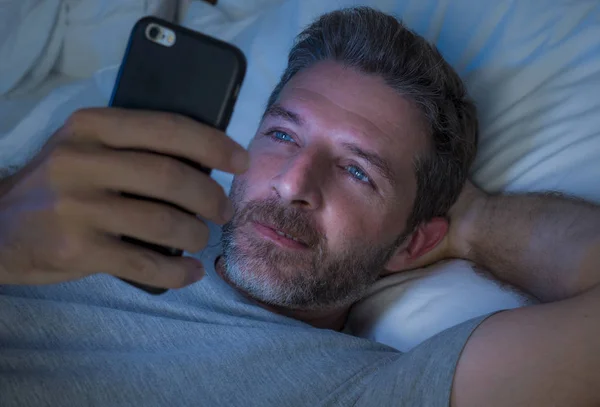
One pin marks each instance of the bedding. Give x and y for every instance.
(532, 66)
(48, 43)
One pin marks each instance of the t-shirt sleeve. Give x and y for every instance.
(423, 376)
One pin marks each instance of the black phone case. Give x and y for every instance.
(198, 76)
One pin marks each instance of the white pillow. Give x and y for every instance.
(405, 309)
(237, 10)
(26, 28)
(533, 68)
(97, 31)
(74, 37)
(47, 43)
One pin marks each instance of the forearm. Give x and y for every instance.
(546, 244)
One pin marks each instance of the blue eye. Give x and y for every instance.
(281, 136)
(358, 173)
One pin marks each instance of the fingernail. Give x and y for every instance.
(196, 274)
(227, 211)
(241, 160)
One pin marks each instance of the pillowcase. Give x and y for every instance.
(237, 10)
(405, 309)
(97, 31)
(45, 44)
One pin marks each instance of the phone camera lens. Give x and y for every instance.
(154, 33)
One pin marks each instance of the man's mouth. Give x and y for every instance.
(279, 236)
(280, 233)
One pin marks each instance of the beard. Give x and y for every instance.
(315, 278)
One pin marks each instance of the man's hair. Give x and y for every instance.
(378, 44)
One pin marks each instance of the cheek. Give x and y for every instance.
(263, 168)
(350, 222)
(264, 163)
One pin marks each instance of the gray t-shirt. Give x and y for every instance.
(100, 342)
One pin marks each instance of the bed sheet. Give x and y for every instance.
(45, 44)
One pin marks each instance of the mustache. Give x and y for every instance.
(287, 219)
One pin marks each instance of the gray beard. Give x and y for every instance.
(315, 279)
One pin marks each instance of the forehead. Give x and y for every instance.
(347, 105)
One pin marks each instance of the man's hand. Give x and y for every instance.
(462, 220)
(62, 216)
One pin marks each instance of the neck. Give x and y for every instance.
(323, 319)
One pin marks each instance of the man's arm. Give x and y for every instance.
(544, 355)
(546, 244)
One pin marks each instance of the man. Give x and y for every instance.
(362, 152)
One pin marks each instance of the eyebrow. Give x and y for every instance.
(276, 110)
(374, 159)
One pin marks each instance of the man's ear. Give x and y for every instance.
(425, 238)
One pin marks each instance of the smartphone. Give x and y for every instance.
(170, 68)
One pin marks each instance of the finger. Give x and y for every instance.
(165, 133)
(40, 277)
(74, 252)
(144, 174)
(132, 262)
(144, 220)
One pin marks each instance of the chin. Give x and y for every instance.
(308, 280)
(261, 266)
(285, 286)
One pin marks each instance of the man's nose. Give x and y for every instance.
(301, 180)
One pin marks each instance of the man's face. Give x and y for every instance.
(330, 188)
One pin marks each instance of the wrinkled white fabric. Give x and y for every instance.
(47, 43)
